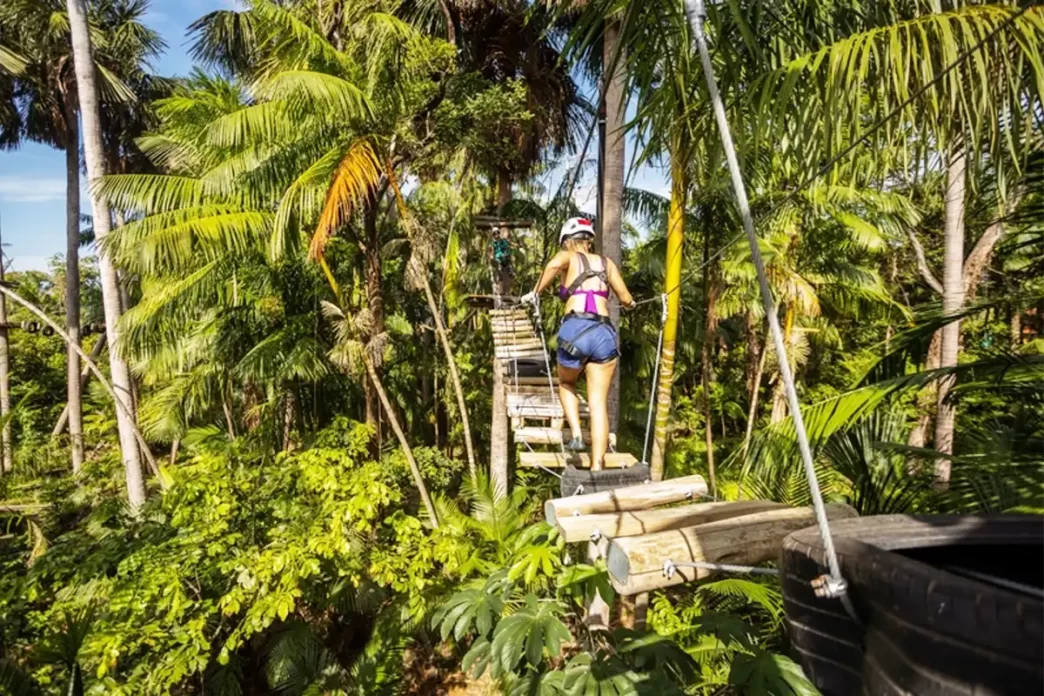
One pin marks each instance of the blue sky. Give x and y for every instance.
(32, 179)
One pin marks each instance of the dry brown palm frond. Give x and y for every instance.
(352, 183)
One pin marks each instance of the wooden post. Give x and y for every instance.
(636, 564)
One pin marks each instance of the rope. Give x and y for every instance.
(835, 585)
(671, 567)
(547, 364)
(655, 379)
(861, 140)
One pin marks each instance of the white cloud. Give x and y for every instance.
(29, 190)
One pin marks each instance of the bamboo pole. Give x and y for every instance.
(672, 286)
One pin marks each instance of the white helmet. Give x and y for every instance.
(574, 227)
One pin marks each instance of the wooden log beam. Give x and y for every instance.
(557, 460)
(640, 497)
(636, 564)
(637, 522)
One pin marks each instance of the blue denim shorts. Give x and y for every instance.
(594, 341)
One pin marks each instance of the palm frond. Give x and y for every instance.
(354, 179)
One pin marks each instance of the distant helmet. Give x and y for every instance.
(576, 227)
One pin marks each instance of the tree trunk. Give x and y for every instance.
(125, 302)
(451, 362)
(615, 148)
(95, 156)
(418, 480)
(926, 399)
(7, 458)
(672, 286)
(85, 375)
(86, 359)
(499, 435)
(73, 388)
(710, 330)
(754, 387)
(374, 300)
(779, 396)
(500, 427)
(440, 330)
(953, 301)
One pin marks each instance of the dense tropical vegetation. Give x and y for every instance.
(304, 484)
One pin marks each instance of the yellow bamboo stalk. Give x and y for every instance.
(672, 284)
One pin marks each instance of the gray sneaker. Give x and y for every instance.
(576, 445)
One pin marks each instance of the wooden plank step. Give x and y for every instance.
(528, 389)
(557, 460)
(520, 344)
(525, 345)
(511, 322)
(507, 337)
(545, 398)
(524, 354)
(530, 380)
(520, 330)
(534, 435)
(510, 313)
(537, 406)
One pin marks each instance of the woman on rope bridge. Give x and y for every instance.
(587, 341)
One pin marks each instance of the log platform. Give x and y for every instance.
(636, 564)
(646, 526)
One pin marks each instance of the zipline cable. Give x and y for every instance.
(835, 585)
(861, 140)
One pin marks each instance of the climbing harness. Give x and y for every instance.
(655, 380)
(834, 585)
(596, 320)
(586, 273)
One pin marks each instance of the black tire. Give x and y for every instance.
(576, 481)
(947, 605)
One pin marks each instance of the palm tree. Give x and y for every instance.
(367, 173)
(95, 156)
(349, 350)
(614, 150)
(7, 462)
(46, 92)
(974, 107)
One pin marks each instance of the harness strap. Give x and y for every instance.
(596, 321)
(587, 272)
